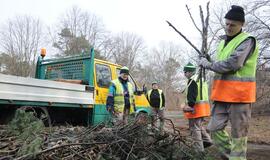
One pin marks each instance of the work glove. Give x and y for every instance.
(207, 56)
(188, 109)
(205, 63)
(110, 109)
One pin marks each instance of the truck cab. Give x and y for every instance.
(96, 74)
(104, 73)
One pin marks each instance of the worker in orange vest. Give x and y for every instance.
(197, 107)
(234, 86)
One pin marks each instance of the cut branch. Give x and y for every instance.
(183, 36)
(193, 20)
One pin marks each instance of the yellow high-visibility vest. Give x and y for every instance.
(160, 97)
(119, 101)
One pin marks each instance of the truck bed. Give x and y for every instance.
(14, 88)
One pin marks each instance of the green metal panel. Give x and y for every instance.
(146, 109)
(66, 70)
(79, 67)
(100, 109)
(38, 69)
(91, 68)
(101, 119)
(100, 114)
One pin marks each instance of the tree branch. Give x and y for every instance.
(193, 46)
(193, 20)
(262, 22)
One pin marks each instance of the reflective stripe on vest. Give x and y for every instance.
(119, 101)
(238, 87)
(202, 106)
(160, 97)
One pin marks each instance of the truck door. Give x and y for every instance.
(103, 77)
(102, 81)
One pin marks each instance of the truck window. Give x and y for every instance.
(103, 75)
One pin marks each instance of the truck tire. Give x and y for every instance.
(40, 112)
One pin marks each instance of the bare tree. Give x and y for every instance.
(258, 24)
(163, 64)
(126, 48)
(107, 47)
(20, 41)
(84, 23)
(166, 62)
(83, 27)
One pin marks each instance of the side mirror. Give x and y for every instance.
(140, 92)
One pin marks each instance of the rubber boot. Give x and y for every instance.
(239, 149)
(223, 142)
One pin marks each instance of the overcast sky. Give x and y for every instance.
(146, 18)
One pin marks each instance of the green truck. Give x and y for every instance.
(69, 90)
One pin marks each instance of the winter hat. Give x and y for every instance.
(236, 13)
(189, 67)
(124, 70)
(154, 82)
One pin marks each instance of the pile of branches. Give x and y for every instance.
(130, 142)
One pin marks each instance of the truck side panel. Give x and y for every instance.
(15, 88)
(79, 67)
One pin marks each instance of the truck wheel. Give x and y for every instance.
(45, 117)
(40, 112)
(6, 113)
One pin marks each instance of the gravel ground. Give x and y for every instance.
(259, 134)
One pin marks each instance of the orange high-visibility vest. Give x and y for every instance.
(238, 87)
(202, 106)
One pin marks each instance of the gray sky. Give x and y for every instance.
(146, 18)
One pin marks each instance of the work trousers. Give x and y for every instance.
(121, 118)
(239, 115)
(198, 133)
(157, 113)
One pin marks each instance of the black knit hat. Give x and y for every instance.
(236, 13)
